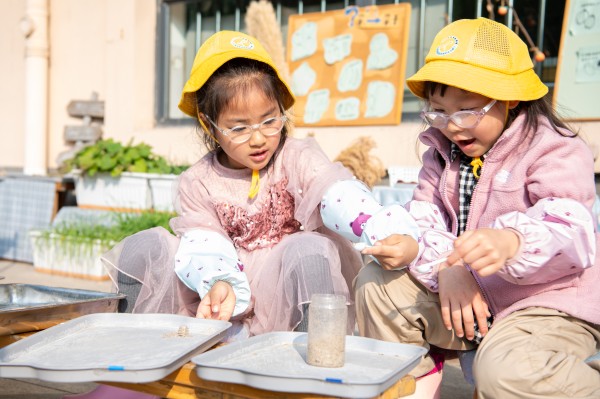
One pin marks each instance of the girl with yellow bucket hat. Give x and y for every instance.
(249, 237)
(512, 226)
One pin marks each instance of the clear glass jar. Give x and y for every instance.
(327, 321)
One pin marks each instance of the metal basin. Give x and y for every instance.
(27, 307)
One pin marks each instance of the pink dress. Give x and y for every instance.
(286, 252)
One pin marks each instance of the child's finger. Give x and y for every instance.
(199, 315)
(203, 311)
(457, 321)
(216, 298)
(446, 316)
(225, 315)
(468, 322)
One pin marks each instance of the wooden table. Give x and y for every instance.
(184, 383)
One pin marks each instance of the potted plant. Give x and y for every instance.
(73, 247)
(110, 175)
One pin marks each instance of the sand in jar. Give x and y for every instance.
(327, 320)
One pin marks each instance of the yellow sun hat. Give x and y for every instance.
(221, 47)
(480, 56)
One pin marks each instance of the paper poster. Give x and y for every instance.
(347, 66)
(577, 81)
(588, 65)
(585, 17)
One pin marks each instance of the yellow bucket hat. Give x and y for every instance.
(480, 56)
(216, 51)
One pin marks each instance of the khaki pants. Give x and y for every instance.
(533, 353)
(392, 306)
(538, 353)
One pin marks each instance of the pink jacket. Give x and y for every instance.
(540, 184)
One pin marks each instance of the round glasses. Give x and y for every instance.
(462, 119)
(242, 133)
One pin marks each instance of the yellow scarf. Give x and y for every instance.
(255, 185)
(476, 163)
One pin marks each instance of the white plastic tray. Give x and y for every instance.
(277, 362)
(121, 347)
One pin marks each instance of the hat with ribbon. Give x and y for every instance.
(221, 47)
(481, 56)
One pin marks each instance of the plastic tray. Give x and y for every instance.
(277, 362)
(120, 347)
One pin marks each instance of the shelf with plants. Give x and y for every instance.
(73, 247)
(113, 176)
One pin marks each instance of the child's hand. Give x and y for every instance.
(460, 300)
(394, 251)
(218, 303)
(485, 250)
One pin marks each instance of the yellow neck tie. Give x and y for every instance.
(255, 185)
(476, 163)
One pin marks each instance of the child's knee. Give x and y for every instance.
(370, 273)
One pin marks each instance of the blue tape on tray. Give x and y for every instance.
(115, 368)
(336, 380)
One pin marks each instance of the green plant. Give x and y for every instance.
(74, 247)
(119, 226)
(109, 156)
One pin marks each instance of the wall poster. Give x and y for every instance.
(577, 81)
(347, 66)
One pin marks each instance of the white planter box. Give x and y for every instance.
(69, 256)
(130, 191)
(161, 191)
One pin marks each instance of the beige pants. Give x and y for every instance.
(533, 353)
(392, 306)
(538, 353)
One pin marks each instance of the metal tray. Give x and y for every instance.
(120, 347)
(26, 307)
(277, 361)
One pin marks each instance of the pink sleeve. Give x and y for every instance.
(557, 239)
(434, 243)
(310, 173)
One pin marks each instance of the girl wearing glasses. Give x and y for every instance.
(250, 241)
(512, 189)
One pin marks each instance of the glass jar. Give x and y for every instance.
(327, 321)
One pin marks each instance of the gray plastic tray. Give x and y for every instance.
(120, 347)
(277, 362)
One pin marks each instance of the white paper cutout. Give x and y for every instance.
(304, 41)
(380, 99)
(317, 103)
(337, 48)
(350, 76)
(381, 56)
(588, 65)
(585, 18)
(347, 109)
(303, 79)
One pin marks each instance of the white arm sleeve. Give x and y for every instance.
(205, 257)
(350, 209)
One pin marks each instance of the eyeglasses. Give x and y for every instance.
(242, 133)
(462, 119)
